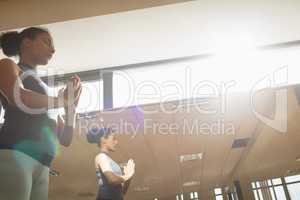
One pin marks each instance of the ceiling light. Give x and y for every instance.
(141, 189)
(191, 183)
(190, 157)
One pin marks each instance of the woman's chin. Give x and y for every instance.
(44, 62)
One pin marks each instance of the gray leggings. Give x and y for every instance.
(22, 177)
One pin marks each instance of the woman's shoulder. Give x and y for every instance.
(8, 65)
(7, 61)
(102, 155)
(101, 158)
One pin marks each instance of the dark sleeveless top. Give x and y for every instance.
(32, 134)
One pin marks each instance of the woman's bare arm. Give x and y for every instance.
(65, 132)
(126, 186)
(66, 128)
(114, 179)
(10, 85)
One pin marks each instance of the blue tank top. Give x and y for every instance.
(32, 134)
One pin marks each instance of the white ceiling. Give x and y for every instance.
(170, 31)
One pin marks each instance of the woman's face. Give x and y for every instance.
(110, 142)
(40, 49)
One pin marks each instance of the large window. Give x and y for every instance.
(272, 188)
(207, 77)
(277, 188)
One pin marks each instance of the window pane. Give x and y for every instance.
(232, 196)
(177, 197)
(253, 185)
(294, 191)
(1, 114)
(219, 197)
(290, 179)
(257, 184)
(91, 97)
(196, 195)
(255, 194)
(53, 91)
(269, 182)
(191, 195)
(280, 192)
(260, 194)
(272, 193)
(218, 191)
(146, 85)
(277, 181)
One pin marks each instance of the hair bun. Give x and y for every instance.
(10, 43)
(95, 134)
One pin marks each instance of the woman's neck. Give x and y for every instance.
(104, 150)
(28, 62)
